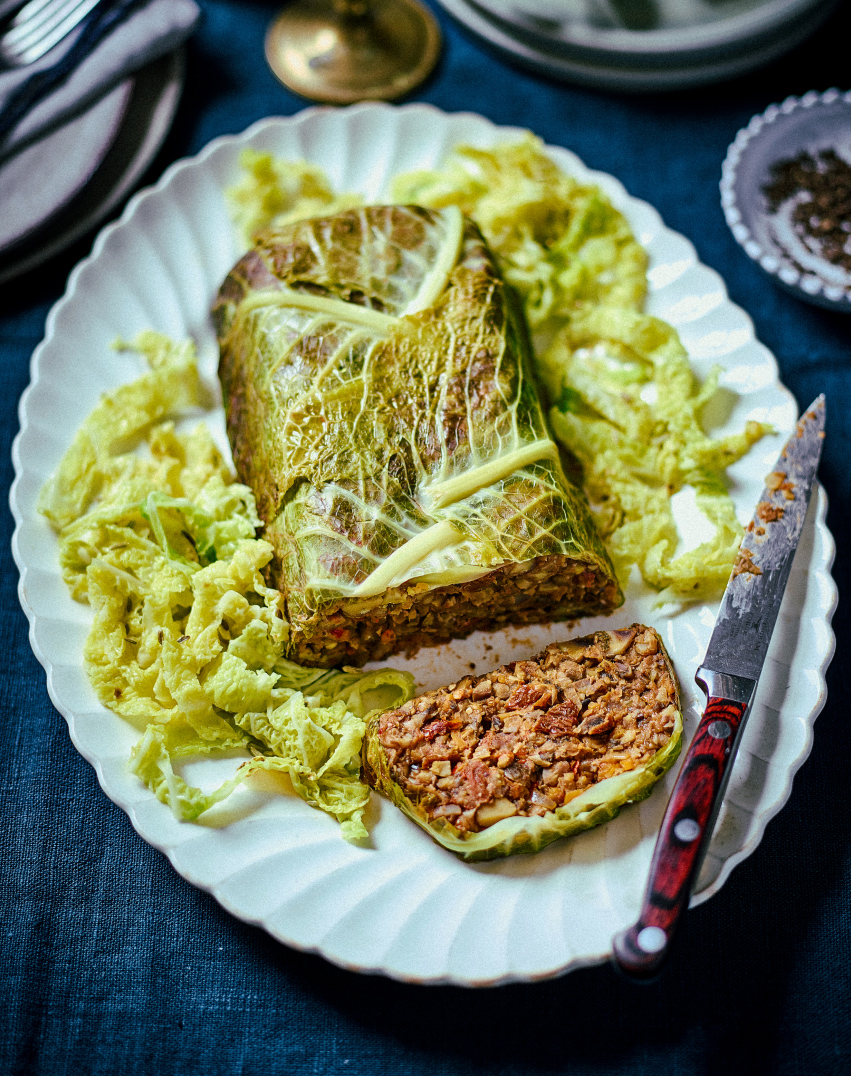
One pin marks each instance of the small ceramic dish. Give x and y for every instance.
(772, 229)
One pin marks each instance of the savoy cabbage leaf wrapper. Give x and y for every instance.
(380, 403)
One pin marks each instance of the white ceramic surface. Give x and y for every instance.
(406, 907)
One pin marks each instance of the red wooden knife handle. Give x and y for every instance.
(640, 950)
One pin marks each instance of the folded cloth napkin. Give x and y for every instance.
(118, 38)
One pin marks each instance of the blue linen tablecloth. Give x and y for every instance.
(111, 963)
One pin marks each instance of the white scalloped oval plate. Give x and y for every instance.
(406, 907)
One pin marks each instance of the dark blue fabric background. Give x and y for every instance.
(112, 964)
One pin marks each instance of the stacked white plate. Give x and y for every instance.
(641, 44)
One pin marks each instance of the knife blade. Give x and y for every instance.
(729, 675)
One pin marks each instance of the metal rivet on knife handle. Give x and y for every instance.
(675, 859)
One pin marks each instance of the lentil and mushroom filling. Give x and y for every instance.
(407, 618)
(532, 735)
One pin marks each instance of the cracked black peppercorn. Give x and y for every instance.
(821, 217)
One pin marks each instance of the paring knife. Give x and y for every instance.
(729, 675)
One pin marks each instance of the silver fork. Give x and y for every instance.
(38, 26)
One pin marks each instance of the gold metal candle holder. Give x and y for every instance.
(342, 51)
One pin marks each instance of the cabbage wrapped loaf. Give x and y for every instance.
(380, 404)
(534, 750)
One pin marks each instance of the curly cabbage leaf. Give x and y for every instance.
(380, 404)
(315, 738)
(558, 241)
(99, 456)
(627, 404)
(187, 641)
(272, 192)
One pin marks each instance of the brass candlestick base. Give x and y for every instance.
(341, 51)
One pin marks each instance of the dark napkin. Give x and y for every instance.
(116, 39)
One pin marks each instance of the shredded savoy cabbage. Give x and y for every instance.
(187, 641)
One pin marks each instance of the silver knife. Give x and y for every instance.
(729, 676)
